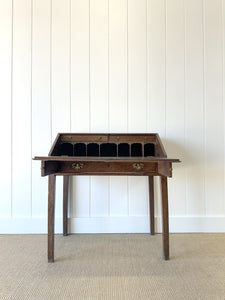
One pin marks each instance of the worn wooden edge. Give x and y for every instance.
(107, 159)
(56, 141)
(107, 138)
(165, 168)
(100, 173)
(59, 173)
(104, 137)
(49, 167)
(106, 134)
(161, 147)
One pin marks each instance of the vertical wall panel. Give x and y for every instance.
(156, 76)
(118, 95)
(21, 110)
(117, 65)
(137, 94)
(99, 196)
(99, 95)
(156, 66)
(137, 84)
(138, 196)
(60, 67)
(99, 65)
(214, 138)
(60, 77)
(41, 123)
(80, 97)
(80, 196)
(119, 196)
(194, 108)
(80, 66)
(5, 115)
(175, 102)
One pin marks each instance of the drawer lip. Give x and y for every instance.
(104, 167)
(150, 173)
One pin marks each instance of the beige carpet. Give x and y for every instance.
(113, 266)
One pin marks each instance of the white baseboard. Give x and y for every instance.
(135, 224)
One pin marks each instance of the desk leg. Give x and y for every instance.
(151, 204)
(51, 216)
(65, 204)
(165, 216)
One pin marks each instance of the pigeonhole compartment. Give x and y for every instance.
(123, 149)
(93, 149)
(108, 149)
(80, 149)
(136, 149)
(149, 149)
(66, 149)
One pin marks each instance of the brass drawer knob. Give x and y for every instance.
(77, 166)
(138, 167)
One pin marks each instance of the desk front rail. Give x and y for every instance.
(133, 168)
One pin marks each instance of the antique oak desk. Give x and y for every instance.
(106, 154)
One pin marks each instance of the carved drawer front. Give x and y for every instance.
(107, 167)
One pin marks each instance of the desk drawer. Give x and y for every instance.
(83, 167)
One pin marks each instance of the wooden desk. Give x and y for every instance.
(106, 154)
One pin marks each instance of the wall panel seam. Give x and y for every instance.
(89, 86)
(50, 61)
(70, 59)
(127, 95)
(165, 113)
(223, 85)
(147, 81)
(12, 48)
(108, 110)
(89, 58)
(204, 108)
(127, 68)
(185, 98)
(31, 106)
(108, 69)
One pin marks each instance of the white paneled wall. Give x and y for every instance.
(113, 66)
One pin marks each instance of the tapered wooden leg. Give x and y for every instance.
(151, 204)
(165, 216)
(51, 216)
(65, 204)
